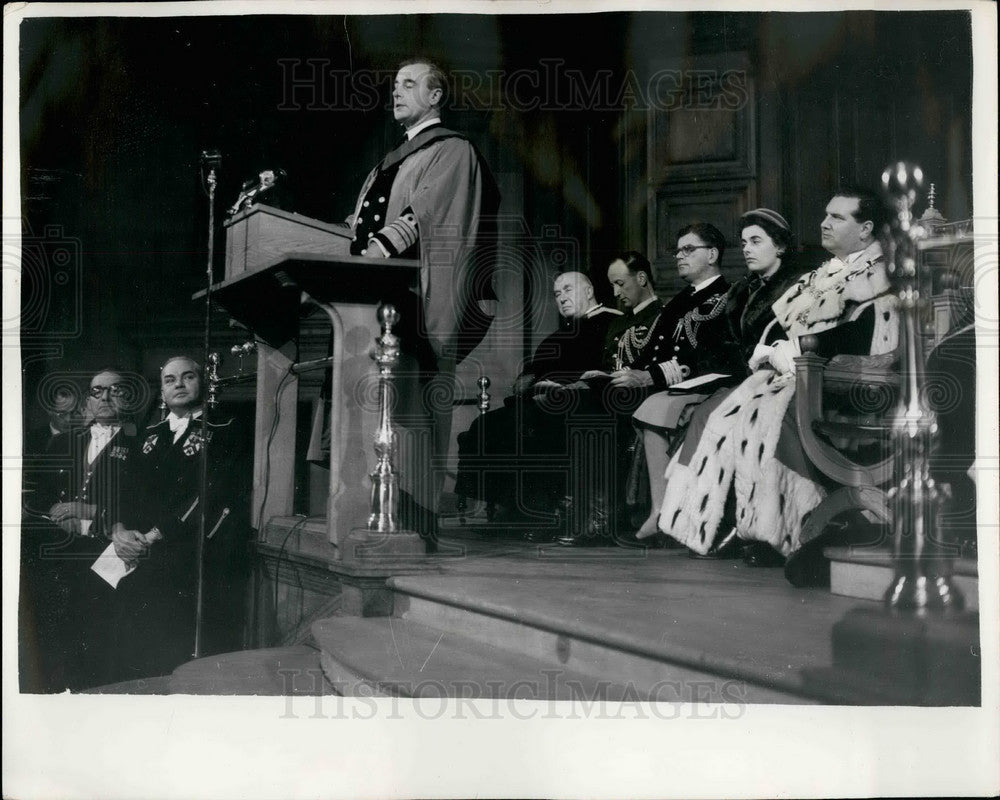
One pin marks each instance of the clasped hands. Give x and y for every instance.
(627, 378)
(621, 378)
(549, 395)
(68, 515)
(132, 545)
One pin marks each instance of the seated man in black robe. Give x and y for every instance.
(652, 347)
(515, 456)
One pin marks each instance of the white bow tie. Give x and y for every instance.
(178, 425)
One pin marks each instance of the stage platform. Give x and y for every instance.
(494, 617)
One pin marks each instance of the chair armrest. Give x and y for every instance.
(844, 375)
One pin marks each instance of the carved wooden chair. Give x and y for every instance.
(869, 384)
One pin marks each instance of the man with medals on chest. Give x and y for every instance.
(157, 534)
(651, 347)
(84, 496)
(69, 515)
(432, 198)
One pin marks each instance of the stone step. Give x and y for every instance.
(865, 573)
(275, 671)
(389, 656)
(553, 624)
(663, 667)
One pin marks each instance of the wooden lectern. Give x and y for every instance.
(277, 264)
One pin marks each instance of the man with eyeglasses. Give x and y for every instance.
(88, 491)
(653, 347)
(648, 349)
(151, 629)
(69, 517)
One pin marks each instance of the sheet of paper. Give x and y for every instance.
(699, 382)
(110, 567)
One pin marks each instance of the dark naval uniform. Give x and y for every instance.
(644, 340)
(154, 621)
(658, 334)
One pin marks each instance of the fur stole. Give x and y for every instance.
(738, 446)
(820, 300)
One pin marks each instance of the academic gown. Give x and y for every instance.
(515, 455)
(435, 199)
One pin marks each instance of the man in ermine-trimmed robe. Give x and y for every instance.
(749, 442)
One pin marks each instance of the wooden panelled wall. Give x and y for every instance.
(794, 139)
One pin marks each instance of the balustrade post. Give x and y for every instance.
(922, 580)
(382, 540)
(385, 481)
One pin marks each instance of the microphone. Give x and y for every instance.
(211, 158)
(248, 190)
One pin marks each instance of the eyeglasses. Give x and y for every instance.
(688, 249)
(115, 390)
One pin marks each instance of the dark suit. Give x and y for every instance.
(51, 609)
(153, 623)
(63, 474)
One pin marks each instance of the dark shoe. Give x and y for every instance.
(541, 536)
(808, 567)
(596, 530)
(657, 541)
(761, 554)
(727, 547)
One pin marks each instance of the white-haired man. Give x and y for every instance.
(501, 445)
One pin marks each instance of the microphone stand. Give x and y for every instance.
(211, 159)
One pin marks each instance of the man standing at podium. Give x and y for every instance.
(432, 198)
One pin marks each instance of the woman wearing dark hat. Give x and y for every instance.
(766, 242)
(742, 474)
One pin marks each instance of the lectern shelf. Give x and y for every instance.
(276, 261)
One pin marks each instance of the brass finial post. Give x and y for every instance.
(484, 396)
(922, 579)
(385, 481)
